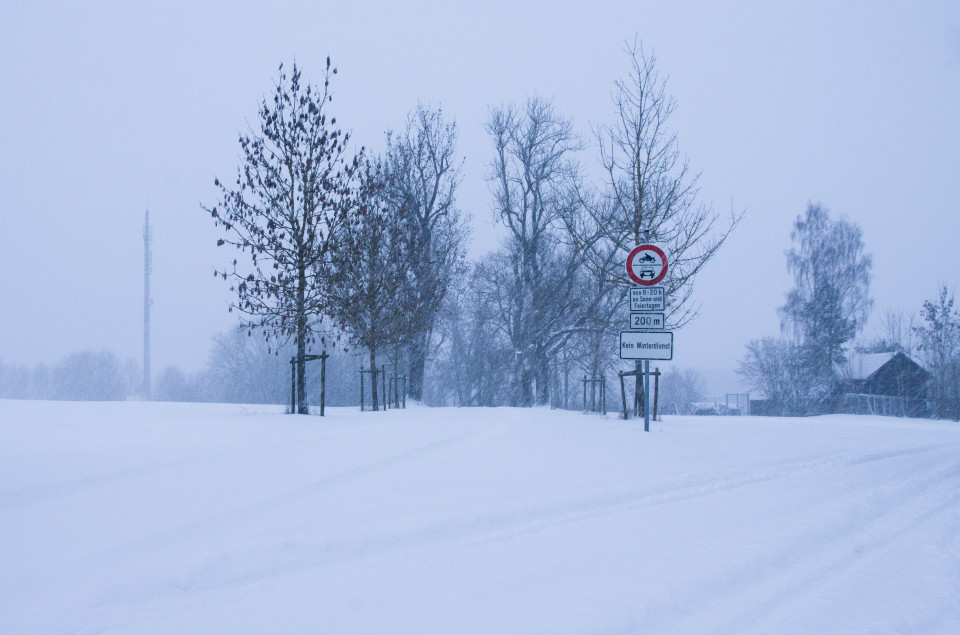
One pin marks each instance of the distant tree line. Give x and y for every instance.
(243, 368)
(239, 369)
(87, 375)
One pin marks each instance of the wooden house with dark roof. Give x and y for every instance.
(889, 383)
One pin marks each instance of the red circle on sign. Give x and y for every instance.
(635, 275)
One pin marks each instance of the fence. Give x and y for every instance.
(886, 405)
(866, 404)
(737, 404)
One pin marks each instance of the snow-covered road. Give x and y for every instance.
(162, 518)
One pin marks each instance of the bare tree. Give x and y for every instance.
(89, 375)
(424, 175)
(680, 389)
(368, 295)
(292, 197)
(649, 190)
(475, 361)
(245, 369)
(773, 366)
(940, 344)
(897, 332)
(531, 177)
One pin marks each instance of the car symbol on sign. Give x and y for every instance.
(647, 273)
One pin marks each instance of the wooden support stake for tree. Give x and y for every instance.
(623, 395)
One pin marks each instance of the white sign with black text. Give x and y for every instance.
(653, 321)
(647, 299)
(646, 345)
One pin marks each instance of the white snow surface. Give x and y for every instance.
(144, 517)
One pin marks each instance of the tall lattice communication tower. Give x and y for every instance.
(147, 269)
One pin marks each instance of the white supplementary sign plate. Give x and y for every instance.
(647, 299)
(646, 345)
(653, 321)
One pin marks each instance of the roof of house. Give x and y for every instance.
(861, 367)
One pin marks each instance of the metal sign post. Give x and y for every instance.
(646, 395)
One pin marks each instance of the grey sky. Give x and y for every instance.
(107, 109)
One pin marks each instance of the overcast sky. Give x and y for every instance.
(108, 109)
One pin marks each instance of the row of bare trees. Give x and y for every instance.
(374, 242)
(550, 302)
(368, 242)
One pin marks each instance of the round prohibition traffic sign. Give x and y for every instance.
(646, 265)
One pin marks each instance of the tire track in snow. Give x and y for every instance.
(215, 524)
(803, 570)
(288, 558)
(42, 492)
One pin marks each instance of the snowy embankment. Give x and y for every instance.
(173, 518)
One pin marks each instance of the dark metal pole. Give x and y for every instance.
(646, 395)
(637, 389)
(656, 392)
(323, 381)
(147, 269)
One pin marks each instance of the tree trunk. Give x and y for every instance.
(373, 379)
(301, 366)
(542, 374)
(301, 342)
(417, 350)
(521, 394)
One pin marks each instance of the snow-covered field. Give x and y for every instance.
(199, 518)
